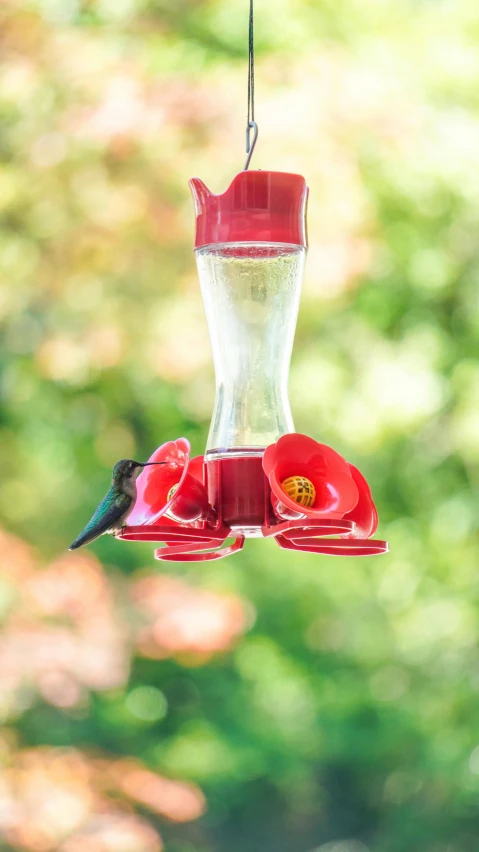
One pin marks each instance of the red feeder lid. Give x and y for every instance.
(266, 207)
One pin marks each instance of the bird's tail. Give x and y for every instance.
(85, 537)
(82, 539)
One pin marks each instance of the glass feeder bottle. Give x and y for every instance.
(250, 251)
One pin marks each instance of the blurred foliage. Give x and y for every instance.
(272, 702)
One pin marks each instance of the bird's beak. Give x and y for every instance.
(145, 464)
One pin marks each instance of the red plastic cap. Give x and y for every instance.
(266, 207)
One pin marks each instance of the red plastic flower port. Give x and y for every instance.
(156, 495)
(333, 479)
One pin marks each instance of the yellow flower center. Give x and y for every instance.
(300, 489)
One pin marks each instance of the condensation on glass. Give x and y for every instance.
(251, 292)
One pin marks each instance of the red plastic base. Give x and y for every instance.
(239, 492)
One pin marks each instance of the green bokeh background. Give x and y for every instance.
(345, 717)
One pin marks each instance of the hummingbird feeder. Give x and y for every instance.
(258, 477)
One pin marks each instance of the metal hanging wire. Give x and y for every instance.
(250, 122)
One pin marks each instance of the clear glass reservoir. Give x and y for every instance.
(251, 293)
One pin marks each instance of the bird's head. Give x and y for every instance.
(126, 470)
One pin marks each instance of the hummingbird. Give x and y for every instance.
(110, 516)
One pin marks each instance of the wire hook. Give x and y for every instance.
(250, 122)
(250, 145)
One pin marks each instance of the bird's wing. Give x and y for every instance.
(107, 515)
